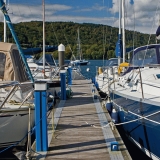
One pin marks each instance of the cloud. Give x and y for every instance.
(21, 13)
(143, 14)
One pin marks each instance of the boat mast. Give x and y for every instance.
(120, 35)
(43, 6)
(79, 45)
(123, 29)
(5, 37)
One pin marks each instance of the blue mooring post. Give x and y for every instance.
(69, 75)
(63, 84)
(41, 115)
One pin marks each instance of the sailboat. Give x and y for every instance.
(135, 98)
(79, 61)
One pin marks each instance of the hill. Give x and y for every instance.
(96, 40)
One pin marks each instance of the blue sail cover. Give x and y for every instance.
(31, 51)
(118, 50)
(158, 31)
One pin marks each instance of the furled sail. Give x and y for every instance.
(158, 32)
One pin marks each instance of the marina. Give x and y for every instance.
(71, 108)
(80, 131)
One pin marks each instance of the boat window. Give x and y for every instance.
(19, 67)
(158, 76)
(144, 57)
(2, 64)
(113, 62)
(48, 58)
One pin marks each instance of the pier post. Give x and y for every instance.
(63, 84)
(41, 115)
(69, 70)
(61, 50)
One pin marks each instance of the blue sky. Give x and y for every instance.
(141, 15)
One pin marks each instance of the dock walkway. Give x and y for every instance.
(79, 130)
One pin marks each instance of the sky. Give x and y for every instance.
(140, 15)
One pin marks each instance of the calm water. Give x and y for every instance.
(92, 66)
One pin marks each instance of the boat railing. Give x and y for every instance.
(6, 84)
(152, 65)
(57, 69)
(140, 76)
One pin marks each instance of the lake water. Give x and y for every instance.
(92, 66)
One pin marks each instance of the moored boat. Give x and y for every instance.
(135, 96)
(16, 97)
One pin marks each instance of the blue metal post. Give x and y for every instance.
(41, 116)
(37, 95)
(69, 75)
(63, 84)
(44, 122)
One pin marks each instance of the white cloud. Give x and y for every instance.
(141, 16)
(21, 13)
(144, 14)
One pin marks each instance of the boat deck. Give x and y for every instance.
(79, 132)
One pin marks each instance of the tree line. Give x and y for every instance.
(97, 40)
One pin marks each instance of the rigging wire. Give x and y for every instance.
(24, 25)
(67, 42)
(150, 33)
(111, 31)
(103, 39)
(54, 33)
(30, 9)
(153, 23)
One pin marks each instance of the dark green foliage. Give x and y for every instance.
(96, 40)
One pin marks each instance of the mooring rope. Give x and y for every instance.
(118, 124)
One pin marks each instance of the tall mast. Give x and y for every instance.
(43, 4)
(79, 47)
(5, 37)
(118, 50)
(123, 29)
(120, 35)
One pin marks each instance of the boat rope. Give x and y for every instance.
(31, 131)
(98, 126)
(118, 124)
(140, 117)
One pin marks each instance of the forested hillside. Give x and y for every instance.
(96, 40)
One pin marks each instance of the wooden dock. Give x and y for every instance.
(80, 132)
